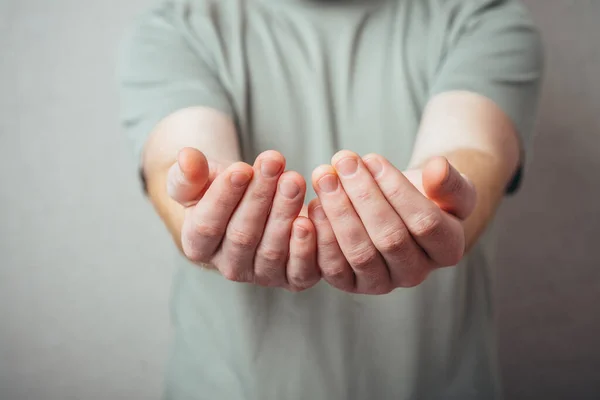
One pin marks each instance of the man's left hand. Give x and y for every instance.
(379, 228)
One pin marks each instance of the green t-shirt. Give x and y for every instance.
(308, 78)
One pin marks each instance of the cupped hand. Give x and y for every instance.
(379, 229)
(244, 220)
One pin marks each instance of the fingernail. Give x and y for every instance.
(300, 232)
(289, 189)
(239, 179)
(328, 183)
(347, 166)
(374, 166)
(270, 168)
(319, 214)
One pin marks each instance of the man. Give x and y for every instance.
(418, 111)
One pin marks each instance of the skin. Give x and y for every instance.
(372, 229)
(243, 224)
(388, 233)
(240, 220)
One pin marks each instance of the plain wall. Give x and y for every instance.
(85, 266)
(549, 268)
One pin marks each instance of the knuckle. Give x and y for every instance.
(207, 231)
(301, 278)
(326, 240)
(271, 255)
(240, 239)
(362, 257)
(192, 250)
(267, 277)
(395, 193)
(277, 214)
(304, 254)
(193, 254)
(233, 274)
(335, 272)
(364, 196)
(235, 259)
(393, 242)
(428, 224)
(281, 212)
(225, 201)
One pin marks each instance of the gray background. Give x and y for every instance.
(84, 264)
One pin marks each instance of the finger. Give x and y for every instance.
(405, 259)
(273, 249)
(437, 232)
(372, 276)
(205, 224)
(448, 188)
(188, 176)
(302, 270)
(331, 261)
(247, 223)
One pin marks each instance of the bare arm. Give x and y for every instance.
(207, 130)
(224, 214)
(379, 228)
(478, 139)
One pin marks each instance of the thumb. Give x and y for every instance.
(448, 188)
(189, 177)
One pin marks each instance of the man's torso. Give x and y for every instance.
(309, 78)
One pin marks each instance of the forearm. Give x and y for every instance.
(207, 130)
(170, 212)
(489, 176)
(479, 140)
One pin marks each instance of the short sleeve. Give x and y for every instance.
(493, 49)
(164, 66)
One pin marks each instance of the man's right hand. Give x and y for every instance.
(244, 220)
